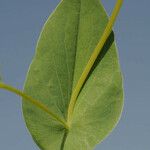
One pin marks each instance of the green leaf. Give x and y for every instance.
(1, 78)
(65, 45)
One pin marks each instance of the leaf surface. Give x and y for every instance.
(63, 50)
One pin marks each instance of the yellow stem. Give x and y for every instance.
(34, 102)
(92, 59)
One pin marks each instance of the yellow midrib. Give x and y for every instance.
(92, 59)
(34, 102)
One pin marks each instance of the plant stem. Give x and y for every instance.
(92, 59)
(34, 102)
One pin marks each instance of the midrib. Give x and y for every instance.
(76, 45)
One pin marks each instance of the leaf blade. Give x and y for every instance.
(91, 23)
(50, 45)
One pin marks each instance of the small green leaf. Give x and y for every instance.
(1, 77)
(64, 48)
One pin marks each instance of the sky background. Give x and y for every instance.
(20, 24)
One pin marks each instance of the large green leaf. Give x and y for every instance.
(63, 50)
